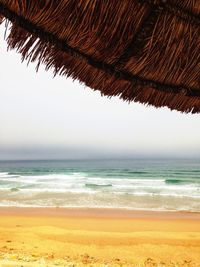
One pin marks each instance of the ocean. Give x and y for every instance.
(169, 185)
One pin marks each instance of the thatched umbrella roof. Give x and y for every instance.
(146, 51)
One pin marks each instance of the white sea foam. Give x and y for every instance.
(133, 190)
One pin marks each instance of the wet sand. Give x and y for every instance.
(98, 237)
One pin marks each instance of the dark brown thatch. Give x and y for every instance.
(147, 51)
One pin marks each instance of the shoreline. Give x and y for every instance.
(117, 213)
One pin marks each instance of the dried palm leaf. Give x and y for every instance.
(146, 51)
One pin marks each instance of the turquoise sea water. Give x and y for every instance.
(131, 184)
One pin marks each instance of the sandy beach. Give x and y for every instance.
(97, 237)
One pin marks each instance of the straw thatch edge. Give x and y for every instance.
(96, 74)
(175, 9)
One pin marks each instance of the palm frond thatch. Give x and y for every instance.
(146, 51)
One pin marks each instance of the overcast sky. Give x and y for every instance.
(46, 117)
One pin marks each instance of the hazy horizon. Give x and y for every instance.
(46, 118)
(72, 153)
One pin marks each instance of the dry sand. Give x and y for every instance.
(81, 237)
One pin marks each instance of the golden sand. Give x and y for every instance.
(64, 237)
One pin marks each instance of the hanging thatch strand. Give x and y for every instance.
(146, 51)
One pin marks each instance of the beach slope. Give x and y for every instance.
(81, 237)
